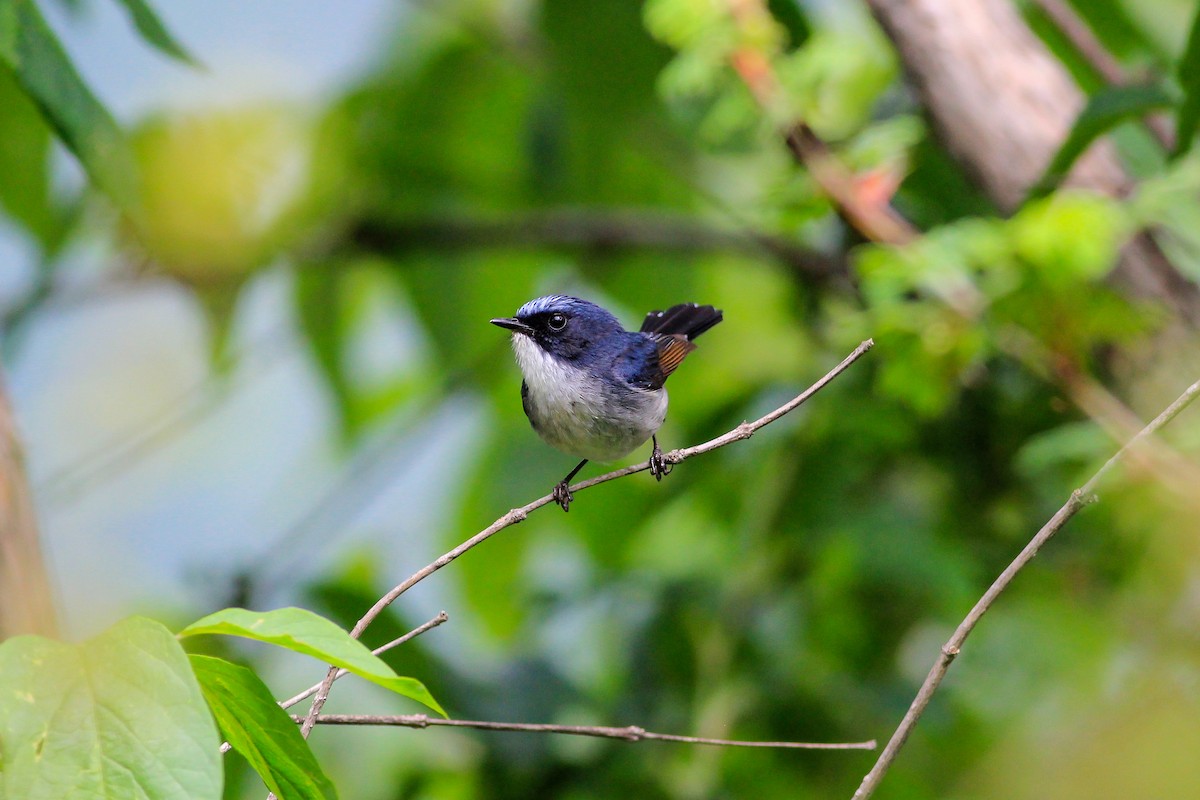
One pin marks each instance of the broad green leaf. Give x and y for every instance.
(308, 633)
(1188, 72)
(262, 732)
(119, 716)
(154, 32)
(29, 48)
(1104, 111)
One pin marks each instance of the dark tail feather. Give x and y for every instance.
(687, 319)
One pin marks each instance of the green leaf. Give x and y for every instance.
(118, 716)
(25, 165)
(1104, 111)
(24, 162)
(1071, 237)
(308, 633)
(154, 32)
(1189, 77)
(262, 732)
(32, 52)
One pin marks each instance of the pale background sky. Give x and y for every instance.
(163, 532)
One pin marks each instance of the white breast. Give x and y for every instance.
(585, 416)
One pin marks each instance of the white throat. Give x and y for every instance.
(583, 414)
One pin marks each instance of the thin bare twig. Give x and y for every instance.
(743, 431)
(1078, 499)
(631, 733)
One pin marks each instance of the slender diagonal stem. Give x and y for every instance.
(950, 650)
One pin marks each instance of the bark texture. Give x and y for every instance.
(1002, 104)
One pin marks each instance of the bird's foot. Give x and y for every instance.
(659, 466)
(562, 495)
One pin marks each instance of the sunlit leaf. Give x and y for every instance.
(1069, 237)
(263, 733)
(116, 717)
(305, 632)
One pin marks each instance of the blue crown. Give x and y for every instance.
(551, 302)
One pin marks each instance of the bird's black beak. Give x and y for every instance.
(513, 324)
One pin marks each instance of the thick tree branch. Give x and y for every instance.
(631, 733)
(1002, 105)
(950, 650)
(743, 431)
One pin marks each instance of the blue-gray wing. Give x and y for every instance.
(651, 358)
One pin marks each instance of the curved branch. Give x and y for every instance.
(743, 431)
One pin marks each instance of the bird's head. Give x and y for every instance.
(563, 326)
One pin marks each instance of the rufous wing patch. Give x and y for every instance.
(671, 352)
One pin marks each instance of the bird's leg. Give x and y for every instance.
(658, 464)
(562, 490)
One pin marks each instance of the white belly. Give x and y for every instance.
(586, 417)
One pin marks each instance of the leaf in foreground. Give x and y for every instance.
(311, 634)
(262, 732)
(118, 716)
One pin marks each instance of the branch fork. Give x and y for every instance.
(516, 515)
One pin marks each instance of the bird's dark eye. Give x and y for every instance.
(557, 322)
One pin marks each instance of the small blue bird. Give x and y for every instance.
(593, 389)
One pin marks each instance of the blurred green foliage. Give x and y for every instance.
(795, 586)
